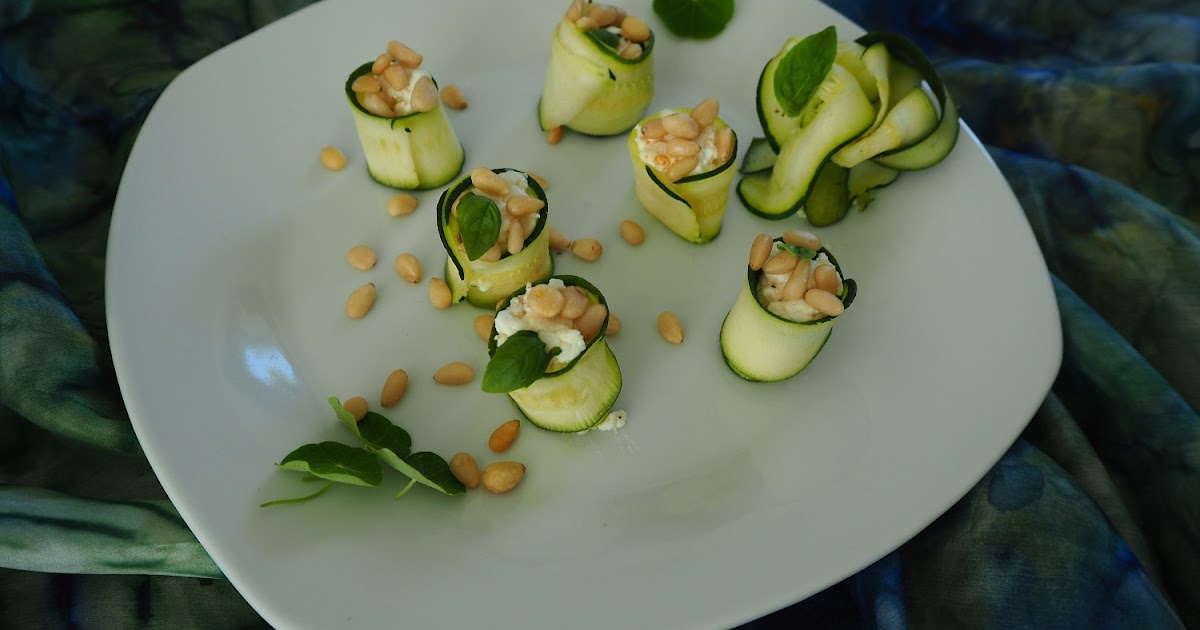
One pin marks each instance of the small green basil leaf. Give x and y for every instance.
(336, 462)
(803, 252)
(478, 224)
(803, 68)
(695, 19)
(518, 362)
(425, 468)
(376, 431)
(611, 40)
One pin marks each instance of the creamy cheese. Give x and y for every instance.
(404, 96)
(614, 421)
(555, 333)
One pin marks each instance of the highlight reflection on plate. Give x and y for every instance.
(720, 501)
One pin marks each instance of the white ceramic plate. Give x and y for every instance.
(719, 502)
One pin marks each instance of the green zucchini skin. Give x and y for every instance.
(580, 394)
(758, 345)
(483, 284)
(414, 152)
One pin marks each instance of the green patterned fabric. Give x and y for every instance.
(1091, 520)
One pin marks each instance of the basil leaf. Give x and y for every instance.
(478, 224)
(427, 469)
(803, 68)
(518, 362)
(694, 19)
(336, 462)
(307, 497)
(799, 250)
(604, 37)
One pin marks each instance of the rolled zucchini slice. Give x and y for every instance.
(574, 396)
(484, 282)
(759, 345)
(589, 86)
(412, 152)
(692, 206)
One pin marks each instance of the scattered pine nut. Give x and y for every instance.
(500, 477)
(588, 249)
(504, 436)
(559, 242)
(360, 301)
(632, 232)
(333, 159)
(464, 469)
(669, 327)
(483, 326)
(439, 293)
(394, 388)
(401, 205)
(760, 250)
(357, 406)
(361, 257)
(453, 97)
(554, 136)
(455, 373)
(409, 268)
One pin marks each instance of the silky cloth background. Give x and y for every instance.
(1091, 109)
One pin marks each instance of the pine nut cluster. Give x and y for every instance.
(792, 287)
(519, 211)
(679, 144)
(396, 86)
(553, 306)
(633, 31)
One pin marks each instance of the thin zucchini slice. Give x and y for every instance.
(760, 157)
(412, 152)
(484, 283)
(589, 88)
(692, 207)
(761, 346)
(580, 394)
(830, 197)
(909, 122)
(864, 178)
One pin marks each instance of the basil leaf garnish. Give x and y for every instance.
(427, 469)
(336, 462)
(518, 362)
(606, 38)
(803, 252)
(694, 19)
(478, 224)
(803, 68)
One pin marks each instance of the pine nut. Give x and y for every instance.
(424, 95)
(670, 327)
(554, 136)
(504, 436)
(781, 262)
(575, 302)
(483, 326)
(360, 301)
(635, 29)
(653, 129)
(381, 63)
(590, 322)
(516, 237)
(357, 406)
(373, 103)
(365, 84)
(333, 159)
(545, 301)
(520, 205)
(402, 204)
(800, 238)
(393, 388)
(632, 232)
(404, 55)
(439, 293)
(501, 477)
(455, 373)
(825, 277)
(528, 224)
(706, 112)
(681, 168)
(797, 283)
(724, 144)
(760, 250)
(588, 249)
(492, 254)
(361, 257)
(464, 469)
(575, 11)
(656, 147)
(825, 302)
(488, 182)
(603, 14)
(614, 325)
(681, 126)
(540, 180)
(632, 51)
(396, 77)
(409, 268)
(586, 23)
(678, 147)
(453, 97)
(559, 241)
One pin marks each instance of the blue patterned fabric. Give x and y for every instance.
(1090, 520)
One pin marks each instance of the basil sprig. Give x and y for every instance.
(605, 37)
(800, 251)
(478, 224)
(803, 68)
(694, 19)
(518, 362)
